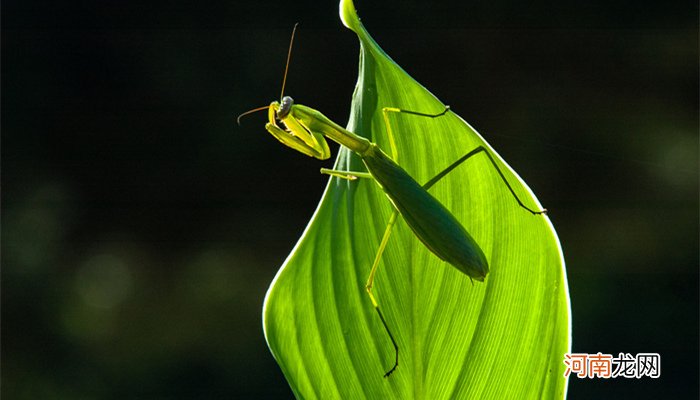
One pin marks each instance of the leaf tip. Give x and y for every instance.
(348, 15)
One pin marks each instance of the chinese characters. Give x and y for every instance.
(606, 366)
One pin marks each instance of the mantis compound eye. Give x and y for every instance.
(285, 107)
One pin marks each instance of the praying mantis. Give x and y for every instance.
(305, 130)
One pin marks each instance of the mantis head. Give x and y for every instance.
(293, 132)
(282, 109)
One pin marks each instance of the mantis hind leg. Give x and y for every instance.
(352, 175)
(455, 164)
(390, 224)
(481, 149)
(370, 284)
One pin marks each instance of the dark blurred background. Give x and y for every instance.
(141, 226)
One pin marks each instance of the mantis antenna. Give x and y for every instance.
(284, 79)
(238, 120)
(289, 56)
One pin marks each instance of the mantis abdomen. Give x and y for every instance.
(429, 220)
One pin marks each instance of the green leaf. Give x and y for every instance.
(503, 338)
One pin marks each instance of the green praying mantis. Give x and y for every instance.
(305, 130)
